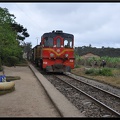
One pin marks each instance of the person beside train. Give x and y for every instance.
(103, 63)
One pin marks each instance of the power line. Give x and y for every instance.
(30, 19)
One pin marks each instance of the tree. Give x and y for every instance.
(20, 29)
(90, 45)
(27, 49)
(6, 34)
(5, 20)
(9, 42)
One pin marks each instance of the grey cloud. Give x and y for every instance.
(91, 23)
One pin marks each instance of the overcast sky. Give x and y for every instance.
(97, 23)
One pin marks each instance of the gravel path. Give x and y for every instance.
(29, 98)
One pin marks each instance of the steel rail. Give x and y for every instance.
(97, 101)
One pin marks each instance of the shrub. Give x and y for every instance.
(105, 72)
(89, 71)
(77, 66)
(13, 60)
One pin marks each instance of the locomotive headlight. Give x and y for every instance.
(51, 55)
(66, 55)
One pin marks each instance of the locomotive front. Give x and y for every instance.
(57, 53)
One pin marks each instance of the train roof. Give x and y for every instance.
(57, 32)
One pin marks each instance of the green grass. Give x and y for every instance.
(113, 80)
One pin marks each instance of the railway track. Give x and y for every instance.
(91, 100)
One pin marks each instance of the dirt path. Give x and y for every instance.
(29, 98)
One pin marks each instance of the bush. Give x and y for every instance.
(13, 60)
(77, 66)
(105, 72)
(89, 71)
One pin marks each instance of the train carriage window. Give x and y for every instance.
(68, 42)
(48, 42)
(58, 42)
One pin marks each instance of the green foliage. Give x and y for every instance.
(103, 71)
(5, 16)
(89, 71)
(111, 52)
(20, 29)
(23, 62)
(77, 66)
(90, 61)
(13, 60)
(111, 62)
(9, 43)
(5, 20)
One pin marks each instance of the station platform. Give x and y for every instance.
(34, 96)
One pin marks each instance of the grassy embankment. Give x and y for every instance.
(113, 79)
(110, 74)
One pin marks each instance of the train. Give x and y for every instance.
(55, 53)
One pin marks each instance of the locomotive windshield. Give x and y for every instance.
(48, 42)
(57, 39)
(68, 42)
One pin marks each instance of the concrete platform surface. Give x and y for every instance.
(34, 96)
(65, 107)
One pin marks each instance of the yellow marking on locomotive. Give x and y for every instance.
(58, 54)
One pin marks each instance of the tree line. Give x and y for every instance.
(12, 36)
(111, 52)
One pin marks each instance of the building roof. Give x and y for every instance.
(89, 55)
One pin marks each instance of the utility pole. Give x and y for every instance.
(37, 40)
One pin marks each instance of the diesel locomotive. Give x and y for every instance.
(55, 53)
